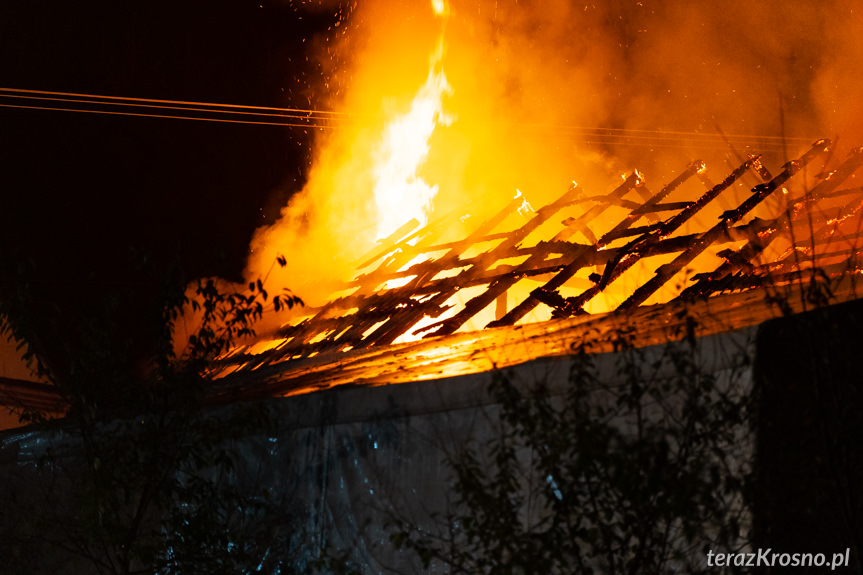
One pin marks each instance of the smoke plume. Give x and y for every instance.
(545, 92)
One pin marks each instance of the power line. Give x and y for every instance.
(191, 109)
(155, 101)
(224, 120)
(179, 109)
(321, 119)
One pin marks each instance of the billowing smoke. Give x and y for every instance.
(545, 92)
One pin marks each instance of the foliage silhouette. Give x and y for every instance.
(642, 474)
(140, 477)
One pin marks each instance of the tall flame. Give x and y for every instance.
(530, 75)
(440, 7)
(400, 193)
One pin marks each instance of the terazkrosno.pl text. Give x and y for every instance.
(768, 558)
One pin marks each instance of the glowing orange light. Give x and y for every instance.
(400, 193)
(439, 7)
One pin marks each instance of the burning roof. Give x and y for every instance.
(574, 274)
(586, 257)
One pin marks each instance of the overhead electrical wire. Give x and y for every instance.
(148, 107)
(189, 108)
(322, 119)
(182, 102)
(203, 119)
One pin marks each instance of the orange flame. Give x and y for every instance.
(529, 76)
(440, 7)
(400, 194)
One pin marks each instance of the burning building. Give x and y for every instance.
(446, 203)
(424, 290)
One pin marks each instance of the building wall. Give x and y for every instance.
(343, 464)
(810, 476)
(365, 457)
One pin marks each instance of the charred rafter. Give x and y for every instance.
(818, 236)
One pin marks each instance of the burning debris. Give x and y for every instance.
(561, 258)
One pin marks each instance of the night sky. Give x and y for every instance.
(97, 210)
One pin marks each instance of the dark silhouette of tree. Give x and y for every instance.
(140, 477)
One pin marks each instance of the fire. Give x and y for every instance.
(400, 193)
(528, 77)
(440, 7)
(370, 176)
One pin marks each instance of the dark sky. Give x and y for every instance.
(95, 208)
